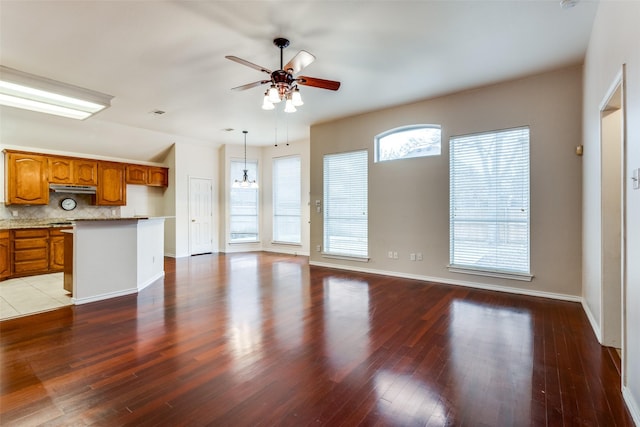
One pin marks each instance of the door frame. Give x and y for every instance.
(618, 84)
(190, 178)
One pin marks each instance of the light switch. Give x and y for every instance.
(636, 179)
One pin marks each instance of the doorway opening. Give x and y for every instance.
(613, 160)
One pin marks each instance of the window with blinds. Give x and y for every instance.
(286, 200)
(346, 204)
(489, 202)
(243, 209)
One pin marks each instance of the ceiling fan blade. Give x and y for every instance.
(321, 83)
(298, 62)
(250, 85)
(248, 64)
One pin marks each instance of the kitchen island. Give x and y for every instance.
(115, 256)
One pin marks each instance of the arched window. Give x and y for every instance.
(408, 141)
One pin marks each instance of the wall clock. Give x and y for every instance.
(68, 204)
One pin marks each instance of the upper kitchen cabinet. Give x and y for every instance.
(158, 176)
(85, 171)
(112, 189)
(64, 170)
(154, 176)
(137, 174)
(26, 179)
(60, 170)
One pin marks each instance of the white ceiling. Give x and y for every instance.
(170, 56)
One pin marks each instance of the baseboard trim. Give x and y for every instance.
(446, 281)
(285, 251)
(632, 404)
(151, 280)
(592, 320)
(108, 295)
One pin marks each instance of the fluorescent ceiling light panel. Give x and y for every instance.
(22, 90)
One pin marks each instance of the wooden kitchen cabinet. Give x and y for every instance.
(158, 176)
(154, 176)
(30, 251)
(137, 174)
(26, 179)
(63, 170)
(56, 249)
(85, 172)
(60, 170)
(112, 188)
(5, 254)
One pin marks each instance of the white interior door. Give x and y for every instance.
(200, 216)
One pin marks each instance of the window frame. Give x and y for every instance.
(235, 176)
(499, 217)
(277, 239)
(402, 129)
(327, 250)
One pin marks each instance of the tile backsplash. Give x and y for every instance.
(53, 209)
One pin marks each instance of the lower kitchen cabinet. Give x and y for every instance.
(56, 250)
(31, 251)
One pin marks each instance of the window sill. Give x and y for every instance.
(275, 242)
(345, 257)
(490, 273)
(251, 242)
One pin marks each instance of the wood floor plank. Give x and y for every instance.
(265, 339)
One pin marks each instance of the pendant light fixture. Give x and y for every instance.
(245, 183)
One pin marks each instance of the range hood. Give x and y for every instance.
(75, 189)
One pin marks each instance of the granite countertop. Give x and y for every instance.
(10, 224)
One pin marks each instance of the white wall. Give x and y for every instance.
(191, 160)
(264, 156)
(409, 199)
(268, 154)
(614, 41)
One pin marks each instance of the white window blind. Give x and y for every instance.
(346, 204)
(243, 211)
(286, 200)
(489, 201)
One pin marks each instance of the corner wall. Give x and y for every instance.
(409, 199)
(614, 41)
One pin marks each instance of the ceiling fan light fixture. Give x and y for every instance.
(274, 94)
(296, 98)
(266, 103)
(289, 107)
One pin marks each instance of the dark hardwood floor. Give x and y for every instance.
(264, 339)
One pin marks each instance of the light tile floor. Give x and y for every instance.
(34, 294)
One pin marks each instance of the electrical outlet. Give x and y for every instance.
(419, 256)
(395, 255)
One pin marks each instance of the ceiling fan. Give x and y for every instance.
(284, 85)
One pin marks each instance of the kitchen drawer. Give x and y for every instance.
(29, 266)
(25, 244)
(39, 254)
(28, 233)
